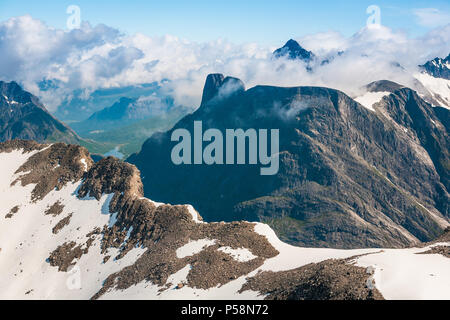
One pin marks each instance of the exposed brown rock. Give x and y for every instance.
(61, 224)
(110, 175)
(26, 145)
(56, 209)
(53, 168)
(63, 256)
(11, 213)
(211, 268)
(444, 250)
(327, 280)
(165, 229)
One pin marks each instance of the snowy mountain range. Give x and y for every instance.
(438, 67)
(85, 231)
(358, 210)
(435, 77)
(431, 80)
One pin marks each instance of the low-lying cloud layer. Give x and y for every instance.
(99, 57)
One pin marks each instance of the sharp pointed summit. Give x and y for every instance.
(293, 51)
(438, 67)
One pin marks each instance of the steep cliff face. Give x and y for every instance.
(349, 176)
(77, 229)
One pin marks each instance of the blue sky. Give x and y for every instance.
(265, 22)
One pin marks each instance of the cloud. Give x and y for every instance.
(431, 17)
(101, 57)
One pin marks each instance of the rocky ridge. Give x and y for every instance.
(178, 253)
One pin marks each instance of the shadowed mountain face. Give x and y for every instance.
(438, 67)
(116, 112)
(22, 116)
(126, 111)
(79, 106)
(292, 50)
(348, 177)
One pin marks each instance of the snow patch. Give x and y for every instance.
(194, 213)
(83, 162)
(370, 98)
(438, 87)
(405, 274)
(193, 247)
(240, 254)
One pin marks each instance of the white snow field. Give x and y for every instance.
(368, 99)
(439, 88)
(26, 241)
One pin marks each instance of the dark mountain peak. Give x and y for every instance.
(212, 85)
(292, 44)
(293, 50)
(23, 116)
(13, 92)
(216, 82)
(383, 86)
(8, 85)
(438, 67)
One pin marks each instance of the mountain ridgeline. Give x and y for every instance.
(294, 51)
(348, 177)
(23, 116)
(83, 230)
(438, 67)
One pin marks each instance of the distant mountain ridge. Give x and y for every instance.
(23, 116)
(349, 177)
(433, 83)
(78, 107)
(294, 51)
(438, 67)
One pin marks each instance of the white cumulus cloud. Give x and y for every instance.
(100, 57)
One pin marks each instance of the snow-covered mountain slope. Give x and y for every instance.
(438, 67)
(368, 99)
(433, 82)
(438, 89)
(72, 228)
